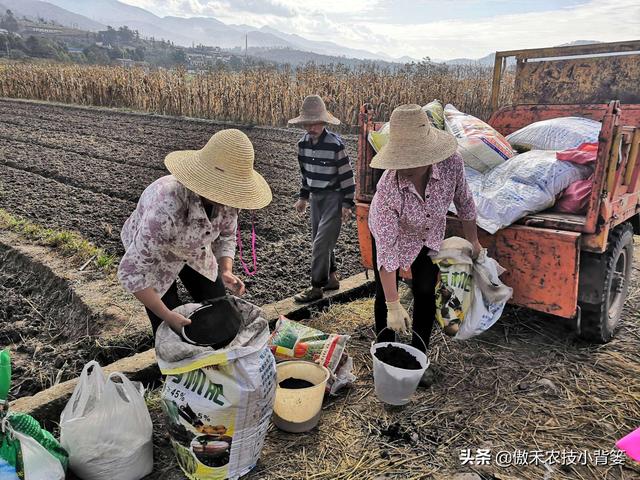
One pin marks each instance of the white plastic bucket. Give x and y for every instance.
(298, 410)
(395, 385)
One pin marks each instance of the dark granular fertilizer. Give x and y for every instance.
(295, 383)
(397, 357)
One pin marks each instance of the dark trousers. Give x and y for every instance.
(423, 285)
(326, 221)
(198, 286)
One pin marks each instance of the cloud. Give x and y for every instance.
(602, 20)
(357, 23)
(216, 8)
(268, 7)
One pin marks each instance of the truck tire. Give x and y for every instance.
(604, 281)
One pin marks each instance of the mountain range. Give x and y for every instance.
(94, 15)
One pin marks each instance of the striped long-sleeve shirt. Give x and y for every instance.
(325, 165)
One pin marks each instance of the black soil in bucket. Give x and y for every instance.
(215, 324)
(295, 383)
(397, 357)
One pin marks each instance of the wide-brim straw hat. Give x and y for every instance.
(222, 171)
(413, 142)
(314, 111)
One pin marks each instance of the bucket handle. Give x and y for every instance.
(396, 336)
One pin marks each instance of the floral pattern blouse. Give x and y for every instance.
(169, 229)
(402, 222)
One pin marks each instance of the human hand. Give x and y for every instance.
(477, 248)
(301, 206)
(233, 283)
(176, 321)
(398, 319)
(346, 214)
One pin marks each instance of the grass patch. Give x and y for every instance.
(66, 242)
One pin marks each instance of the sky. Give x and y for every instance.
(438, 29)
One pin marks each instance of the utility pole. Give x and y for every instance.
(246, 45)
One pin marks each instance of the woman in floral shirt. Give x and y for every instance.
(185, 226)
(407, 219)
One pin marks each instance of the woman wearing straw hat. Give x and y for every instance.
(407, 219)
(185, 226)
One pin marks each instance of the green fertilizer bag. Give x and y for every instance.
(27, 451)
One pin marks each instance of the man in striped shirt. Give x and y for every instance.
(328, 185)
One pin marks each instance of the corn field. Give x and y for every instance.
(260, 96)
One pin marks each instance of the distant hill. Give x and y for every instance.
(298, 57)
(34, 9)
(203, 30)
(489, 60)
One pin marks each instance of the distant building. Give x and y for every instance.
(75, 51)
(125, 62)
(57, 32)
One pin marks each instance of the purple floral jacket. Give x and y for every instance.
(168, 229)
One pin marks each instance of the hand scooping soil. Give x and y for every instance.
(397, 357)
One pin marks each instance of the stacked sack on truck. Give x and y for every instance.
(555, 134)
(480, 145)
(528, 183)
(539, 178)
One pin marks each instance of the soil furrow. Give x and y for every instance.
(79, 169)
(52, 204)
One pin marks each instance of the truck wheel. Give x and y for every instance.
(604, 281)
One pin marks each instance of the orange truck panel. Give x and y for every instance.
(542, 265)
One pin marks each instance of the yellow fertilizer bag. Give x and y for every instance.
(380, 138)
(217, 403)
(435, 113)
(454, 288)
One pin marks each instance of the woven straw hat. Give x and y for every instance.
(314, 111)
(413, 142)
(222, 171)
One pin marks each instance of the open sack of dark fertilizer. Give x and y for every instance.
(218, 402)
(292, 340)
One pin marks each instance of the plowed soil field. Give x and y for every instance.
(84, 169)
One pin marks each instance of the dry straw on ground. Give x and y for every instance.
(261, 96)
(526, 385)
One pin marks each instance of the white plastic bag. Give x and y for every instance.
(556, 134)
(481, 146)
(528, 183)
(106, 428)
(490, 296)
(39, 464)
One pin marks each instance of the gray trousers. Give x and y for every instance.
(326, 220)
